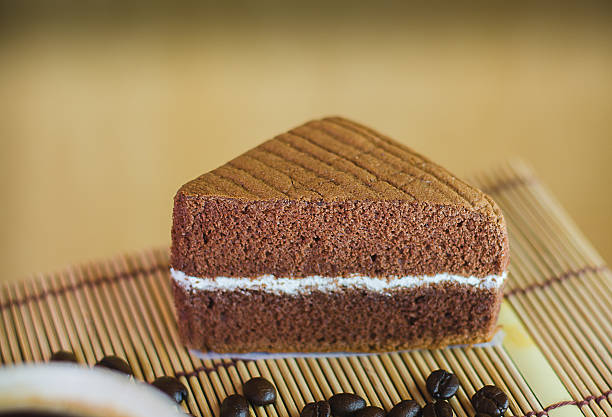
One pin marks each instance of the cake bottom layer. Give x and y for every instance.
(345, 319)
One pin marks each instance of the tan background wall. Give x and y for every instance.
(101, 121)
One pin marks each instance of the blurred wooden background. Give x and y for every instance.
(103, 118)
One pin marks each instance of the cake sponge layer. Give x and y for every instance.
(214, 236)
(344, 319)
(334, 198)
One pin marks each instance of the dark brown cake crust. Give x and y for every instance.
(353, 320)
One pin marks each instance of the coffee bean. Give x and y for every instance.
(406, 408)
(171, 386)
(116, 364)
(490, 400)
(442, 384)
(481, 415)
(63, 356)
(317, 409)
(234, 406)
(259, 391)
(370, 411)
(440, 408)
(346, 403)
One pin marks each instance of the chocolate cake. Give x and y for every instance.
(333, 237)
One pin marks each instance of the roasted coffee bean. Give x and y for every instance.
(481, 415)
(440, 408)
(345, 404)
(259, 391)
(490, 400)
(116, 364)
(442, 384)
(234, 406)
(370, 411)
(316, 409)
(63, 356)
(406, 408)
(171, 386)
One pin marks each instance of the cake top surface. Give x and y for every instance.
(335, 159)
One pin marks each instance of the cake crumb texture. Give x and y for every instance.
(344, 320)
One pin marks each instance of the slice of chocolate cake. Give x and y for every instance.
(333, 237)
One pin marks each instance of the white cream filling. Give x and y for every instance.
(270, 283)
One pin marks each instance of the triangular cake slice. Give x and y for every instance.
(333, 237)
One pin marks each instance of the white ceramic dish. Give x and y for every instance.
(80, 391)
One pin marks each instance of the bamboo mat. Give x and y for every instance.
(555, 359)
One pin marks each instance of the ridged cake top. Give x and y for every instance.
(335, 159)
